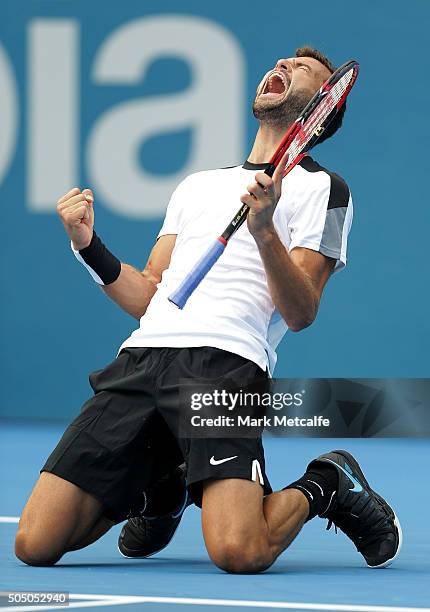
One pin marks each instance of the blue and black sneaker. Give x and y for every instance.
(363, 515)
(145, 535)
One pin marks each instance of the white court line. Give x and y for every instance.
(9, 519)
(116, 600)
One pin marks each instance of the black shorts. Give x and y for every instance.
(123, 440)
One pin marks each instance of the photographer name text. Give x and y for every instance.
(266, 421)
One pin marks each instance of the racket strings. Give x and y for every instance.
(322, 111)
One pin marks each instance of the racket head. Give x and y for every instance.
(316, 116)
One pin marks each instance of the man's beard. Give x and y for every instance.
(282, 115)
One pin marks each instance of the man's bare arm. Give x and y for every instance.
(296, 280)
(133, 290)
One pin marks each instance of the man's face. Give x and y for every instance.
(285, 90)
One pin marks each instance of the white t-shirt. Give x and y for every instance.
(232, 309)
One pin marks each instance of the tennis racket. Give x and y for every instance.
(300, 138)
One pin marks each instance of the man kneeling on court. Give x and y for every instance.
(120, 458)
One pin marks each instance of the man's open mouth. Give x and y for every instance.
(276, 84)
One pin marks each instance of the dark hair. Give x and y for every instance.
(320, 57)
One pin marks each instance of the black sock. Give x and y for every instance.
(318, 485)
(166, 496)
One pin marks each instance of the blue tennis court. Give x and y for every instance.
(321, 571)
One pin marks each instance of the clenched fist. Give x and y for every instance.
(76, 212)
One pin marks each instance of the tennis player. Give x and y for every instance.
(121, 458)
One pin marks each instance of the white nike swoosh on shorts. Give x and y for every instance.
(214, 461)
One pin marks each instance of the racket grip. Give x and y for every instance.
(197, 274)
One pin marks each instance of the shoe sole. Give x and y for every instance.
(357, 467)
(390, 561)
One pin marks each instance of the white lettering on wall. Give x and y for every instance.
(8, 113)
(53, 111)
(213, 107)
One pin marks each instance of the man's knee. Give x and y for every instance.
(33, 549)
(58, 515)
(240, 557)
(235, 540)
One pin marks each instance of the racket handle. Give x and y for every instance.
(197, 274)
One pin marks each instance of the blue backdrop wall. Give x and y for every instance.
(127, 97)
